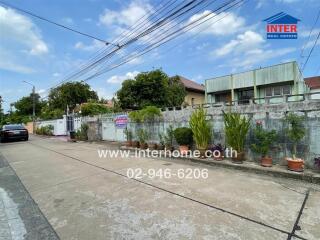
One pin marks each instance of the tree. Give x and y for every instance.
(69, 94)
(176, 93)
(91, 109)
(24, 106)
(152, 88)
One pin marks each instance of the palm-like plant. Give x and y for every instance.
(201, 128)
(236, 130)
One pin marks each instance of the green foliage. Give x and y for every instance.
(24, 106)
(263, 139)
(14, 117)
(148, 113)
(45, 130)
(176, 93)
(183, 136)
(161, 139)
(49, 113)
(71, 94)
(169, 136)
(129, 134)
(143, 136)
(201, 128)
(151, 88)
(82, 133)
(92, 108)
(236, 130)
(296, 130)
(135, 116)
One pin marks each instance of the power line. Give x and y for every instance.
(310, 33)
(314, 45)
(153, 46)
(149, 30)
(168, 37)
(134, 27)
(56, 24)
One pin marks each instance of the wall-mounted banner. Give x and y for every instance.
(282, 26)
(121, 121)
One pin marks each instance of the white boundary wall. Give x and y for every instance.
(59, 126)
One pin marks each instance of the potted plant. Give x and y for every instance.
(201, 130)
(217, 151)
(161, 142)
(263, 139)
(152, 145)
(317, 163)
(236, 130)
(295, 133)
(143, 137)
(129, 137)
(168, 138)
(183, 137)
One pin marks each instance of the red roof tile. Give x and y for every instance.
(313, 82)
(191, 85)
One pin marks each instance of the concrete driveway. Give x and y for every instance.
(87, 197)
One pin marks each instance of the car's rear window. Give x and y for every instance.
(13, 127)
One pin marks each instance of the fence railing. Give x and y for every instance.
(313, 97)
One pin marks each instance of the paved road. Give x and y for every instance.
(86, 197)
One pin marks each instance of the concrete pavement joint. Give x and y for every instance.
(296, 226)
(176, 194)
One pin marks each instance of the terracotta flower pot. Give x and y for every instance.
(143, 145)
(239, 159)
(152, 146)
(266, 161)
(202, 152)
(160, 147)
(296, 165)
(169, 147)
(218, 158)
(135, 144)
(128, 143)
(183, 149)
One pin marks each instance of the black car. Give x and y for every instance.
(14, 132)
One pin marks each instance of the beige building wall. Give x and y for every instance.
(198, 98)
(29, 127)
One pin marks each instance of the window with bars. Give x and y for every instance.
(278, 91)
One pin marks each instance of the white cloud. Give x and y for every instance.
(16, 28)
(103, 93)
(94, 46)
(229, 23)
(249, 41)
(10, 62)
(249, 49)
(117, 79)
(56, 74)
(68, 20)
(127, 16)
(306, 33)
(42, 92)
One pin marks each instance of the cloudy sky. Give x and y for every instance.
(35, 51)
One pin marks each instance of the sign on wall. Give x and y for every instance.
(121, 121)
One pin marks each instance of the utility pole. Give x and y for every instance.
(1, 110)
(33, 106)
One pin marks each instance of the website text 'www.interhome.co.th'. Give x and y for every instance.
(148, 153)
